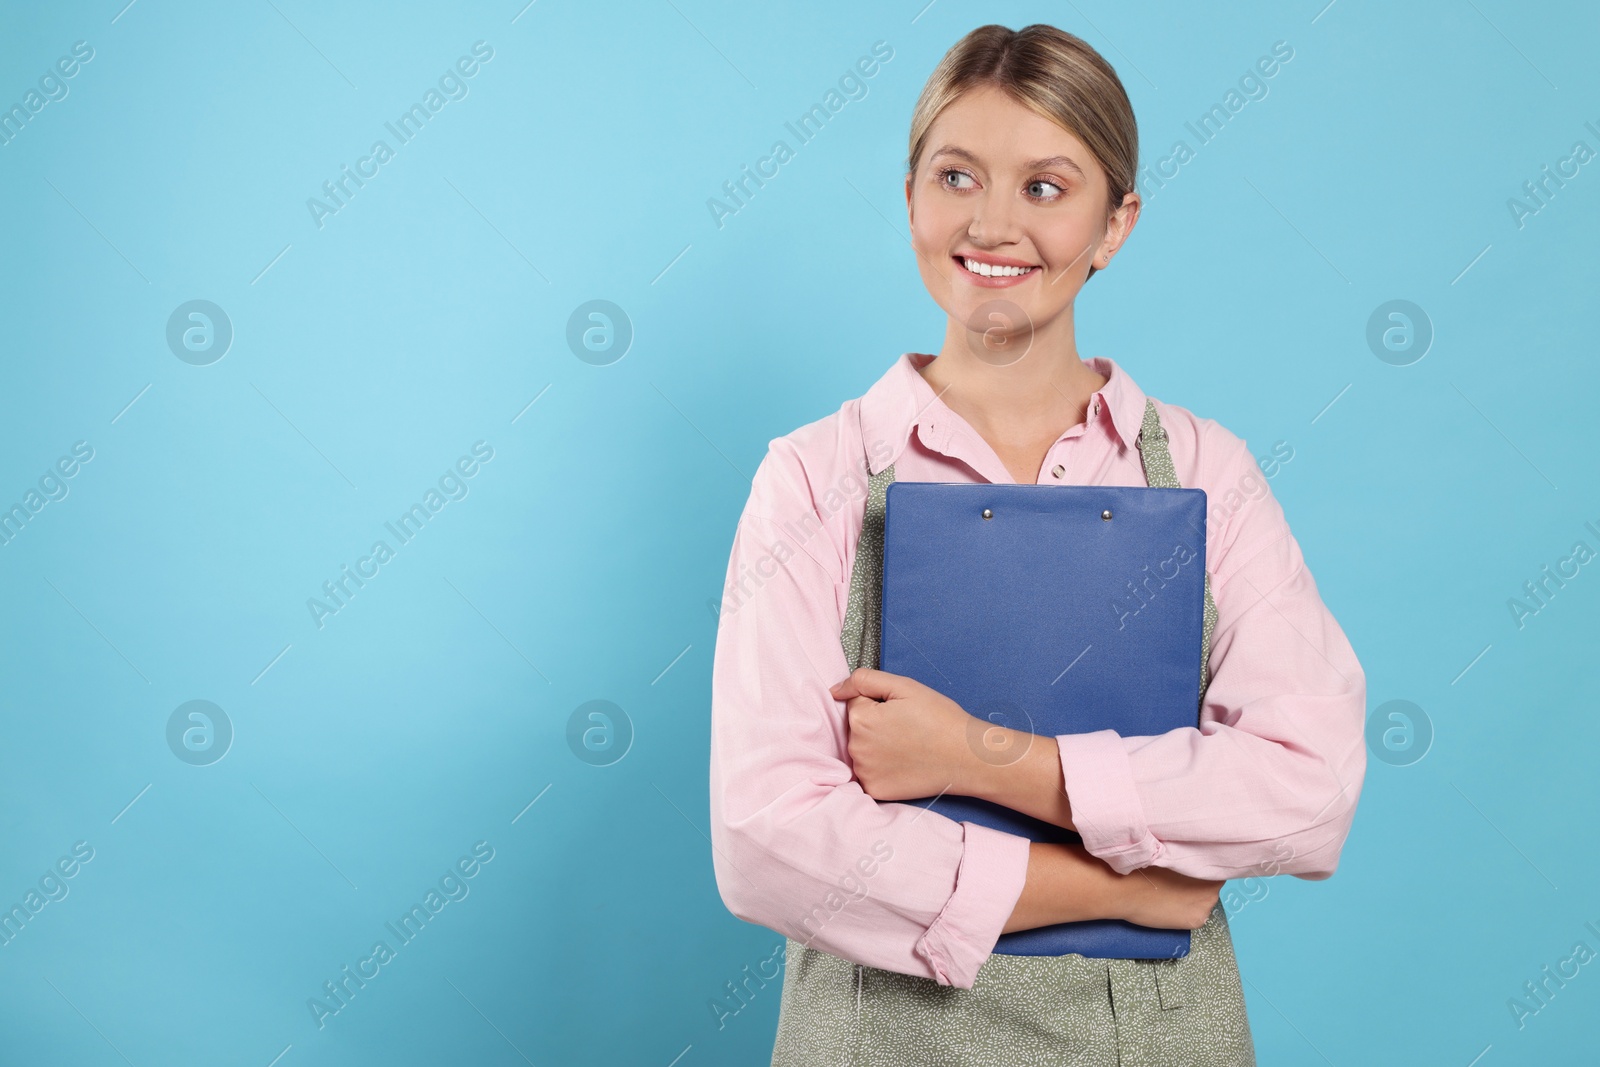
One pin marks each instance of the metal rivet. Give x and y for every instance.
(988, 514)
(1106, 514)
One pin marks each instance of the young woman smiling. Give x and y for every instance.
(1020, 186)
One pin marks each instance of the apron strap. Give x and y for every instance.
(863, 617)
(1160, 473)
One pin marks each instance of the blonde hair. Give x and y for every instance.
(1052, 72)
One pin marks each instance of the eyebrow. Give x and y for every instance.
(1063, 162)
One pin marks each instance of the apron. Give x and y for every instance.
(1022, 1010)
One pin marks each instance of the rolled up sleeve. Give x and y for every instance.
(797, 845)
(1269, 780)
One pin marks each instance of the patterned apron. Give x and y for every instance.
(1022, 1010)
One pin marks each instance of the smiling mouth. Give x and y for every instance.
(988, 270)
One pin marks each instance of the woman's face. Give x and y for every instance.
(1001, 183)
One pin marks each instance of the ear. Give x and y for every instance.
(909, 214)
(1119, 227)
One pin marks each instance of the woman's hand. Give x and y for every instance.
(1165, 899)
(920, 743)
(906, 740)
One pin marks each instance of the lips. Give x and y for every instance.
(995, 281)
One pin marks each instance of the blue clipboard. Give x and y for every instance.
(1053, 609)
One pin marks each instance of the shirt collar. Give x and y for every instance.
(902, 399)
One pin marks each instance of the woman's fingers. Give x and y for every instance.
(866, 682)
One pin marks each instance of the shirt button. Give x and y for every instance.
(1057, 471)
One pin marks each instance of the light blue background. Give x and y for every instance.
(583, 564)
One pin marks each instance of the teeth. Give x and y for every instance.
(990, 271)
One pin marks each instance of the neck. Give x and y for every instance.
(1006, 398)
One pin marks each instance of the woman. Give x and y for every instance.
(1020, 186)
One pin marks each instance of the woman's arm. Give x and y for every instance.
(797, 845)
(1266, 784)
(1067, 884)
(907, 741)
(1032, 784)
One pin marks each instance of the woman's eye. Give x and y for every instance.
(1039, 188)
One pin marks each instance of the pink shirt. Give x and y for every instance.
(1267, 784)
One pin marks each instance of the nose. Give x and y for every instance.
(994, 220)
